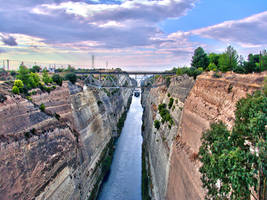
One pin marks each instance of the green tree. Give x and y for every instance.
(212, 67)
(71, 77)
(57, 79)
(200, 59)
(70, 69)
(46, 78)
(170, 103)
(35, 69)
(234, 163)
(23, 75)
(228, 60)
(214, 58)
(15, 90)
(42, 107)
(157, 124)
(19, 84)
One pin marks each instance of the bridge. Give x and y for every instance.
(96, 72)
(114, 79)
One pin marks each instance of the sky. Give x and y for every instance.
(130, 34)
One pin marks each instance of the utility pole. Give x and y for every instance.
(93, 62)
(7, 63)
(106, 64)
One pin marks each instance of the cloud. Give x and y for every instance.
(247, 32)
(114, 25)
(8, 40)
(2, 50)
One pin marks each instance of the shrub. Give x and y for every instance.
(36, 78)
(19, 84)
(15, 90)
(2, 98)
(169, 94)
(23, 75)
(42, 107)
(57, 79)
(217, 75)
(13, 73)
(212, 67)
(46, 78)
(71, 77)
(157, 124)
(168, 81)
(165, 114)
(57, 116)
(99, 102)
(35, 69)
(170, 103)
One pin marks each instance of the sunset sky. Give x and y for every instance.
(131, 34)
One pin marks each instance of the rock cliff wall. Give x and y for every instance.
(211, 99)
(158, 143)
(58, 153)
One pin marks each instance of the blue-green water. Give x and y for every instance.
(124, 181)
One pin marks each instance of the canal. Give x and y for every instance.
(124, 180)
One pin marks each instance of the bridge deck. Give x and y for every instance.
(127, 72)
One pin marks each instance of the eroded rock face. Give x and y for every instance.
(56, 154)
(158, 143)
(210, 100)
(175, 172)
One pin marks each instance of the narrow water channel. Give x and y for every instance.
(124, 181)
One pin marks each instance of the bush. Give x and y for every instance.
(71, 77)
(168, 81)
(99, 102)
(165, 114)
(57, 79)
(35, 69)
(42, 107)
(212, 67)
(57, 116)
(169, 94)
(46, 78)
(170, 103)
(13, 73)
(157, 124)
(19, 84)
(15, 90)
(2, 98)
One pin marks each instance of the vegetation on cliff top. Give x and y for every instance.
(234, 162)
(226, 61)
(28, 79)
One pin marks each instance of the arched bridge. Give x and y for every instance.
(117, 79)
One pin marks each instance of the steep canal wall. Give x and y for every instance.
(63, 151)
(171, 152)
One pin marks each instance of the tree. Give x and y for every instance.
(234, 162)
(35, 69)
(200, 59)
(23, 75)
(70, 69)
(42, 107)
(214, 58)
(212, 67)
(15, 90)
(157, 124)
(228, 60)
(71, 77)
(46, 78)
(57, 79)
(19, 84)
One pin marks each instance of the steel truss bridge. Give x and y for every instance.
(117, 79)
